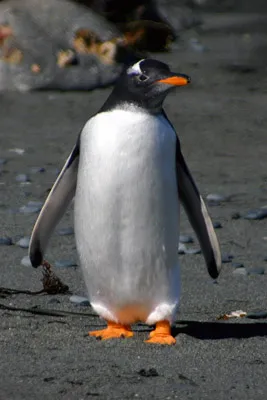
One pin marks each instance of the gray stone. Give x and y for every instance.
(181, 248)
(65, 231)
(217, 225)
(237, 265)
(236, 215)
(227, 258)
(5, 241)
(79, 300)
(22, 178)
(256, 214)
(240, 271)
(24, 242)
(257, 315)
(192, 251)
(217, 198)
(65, 264)
(26, 261)
(256, 271)
(31, 208)
(35, 170)
(186, 239)
(3, 161)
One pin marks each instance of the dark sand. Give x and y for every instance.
(221, 119)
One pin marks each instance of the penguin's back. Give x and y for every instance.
(127, 211)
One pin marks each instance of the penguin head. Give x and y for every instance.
(146, 83)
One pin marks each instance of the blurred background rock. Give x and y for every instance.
(84, 44)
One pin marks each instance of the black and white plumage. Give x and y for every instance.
(128, 174)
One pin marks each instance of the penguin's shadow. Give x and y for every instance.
(220, 330)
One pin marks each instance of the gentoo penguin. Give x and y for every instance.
(128, 175)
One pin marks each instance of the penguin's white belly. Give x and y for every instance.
(127, 216)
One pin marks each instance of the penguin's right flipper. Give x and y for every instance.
(54, 207)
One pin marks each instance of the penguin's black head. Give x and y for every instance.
(145, 84)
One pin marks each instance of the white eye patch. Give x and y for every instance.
(135, 69)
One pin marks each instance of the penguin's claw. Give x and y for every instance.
(162, 334)
(112, 331)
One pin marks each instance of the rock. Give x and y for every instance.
(240, 271)
(22, 178)
(35, 170)
(186, 239)
(181, 248)
(147, 373)
(31, 208)
(3, 161)
(16, 150)
(24, 242)
(54, 301)
(217, 225)
(65, 231)
(217, 198)
(5, 241)
(257, 315)
(192, 251)
(256, 214)
(79, 300)
(59, 45)
(196, 45)
(256, 271)
(227, 258)
(26, 261)
(236, 215)
(237, 265)
(65, 264)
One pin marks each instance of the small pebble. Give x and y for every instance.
(65, 231)
(196, 45)
(26, 261)
(3, 161)
(147, 373)
(17, 151)
(54, 301)
(31, 208)
(265, 259)
(65, 264)
(24, 242)
(5, 241)
(22, 178)
(186, 239)
(217, 225)
(227, 258)
(192, 251)
(235, 215)
(256, 214)
(217, 198)
(181, 248)
(35, 170)
(237, 265)
(240, 271)
(256, 271)
(257, 315)
(79, 300)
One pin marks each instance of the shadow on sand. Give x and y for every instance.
(220, 330)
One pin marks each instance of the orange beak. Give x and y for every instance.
(176, 80)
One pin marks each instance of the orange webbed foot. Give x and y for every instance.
(112, 331)
(162, 334)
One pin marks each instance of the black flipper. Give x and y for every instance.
(55, 206)
(198, 215)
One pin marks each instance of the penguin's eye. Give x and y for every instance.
(142, 78)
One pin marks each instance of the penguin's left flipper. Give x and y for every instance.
(198, 215)
(55, 206)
